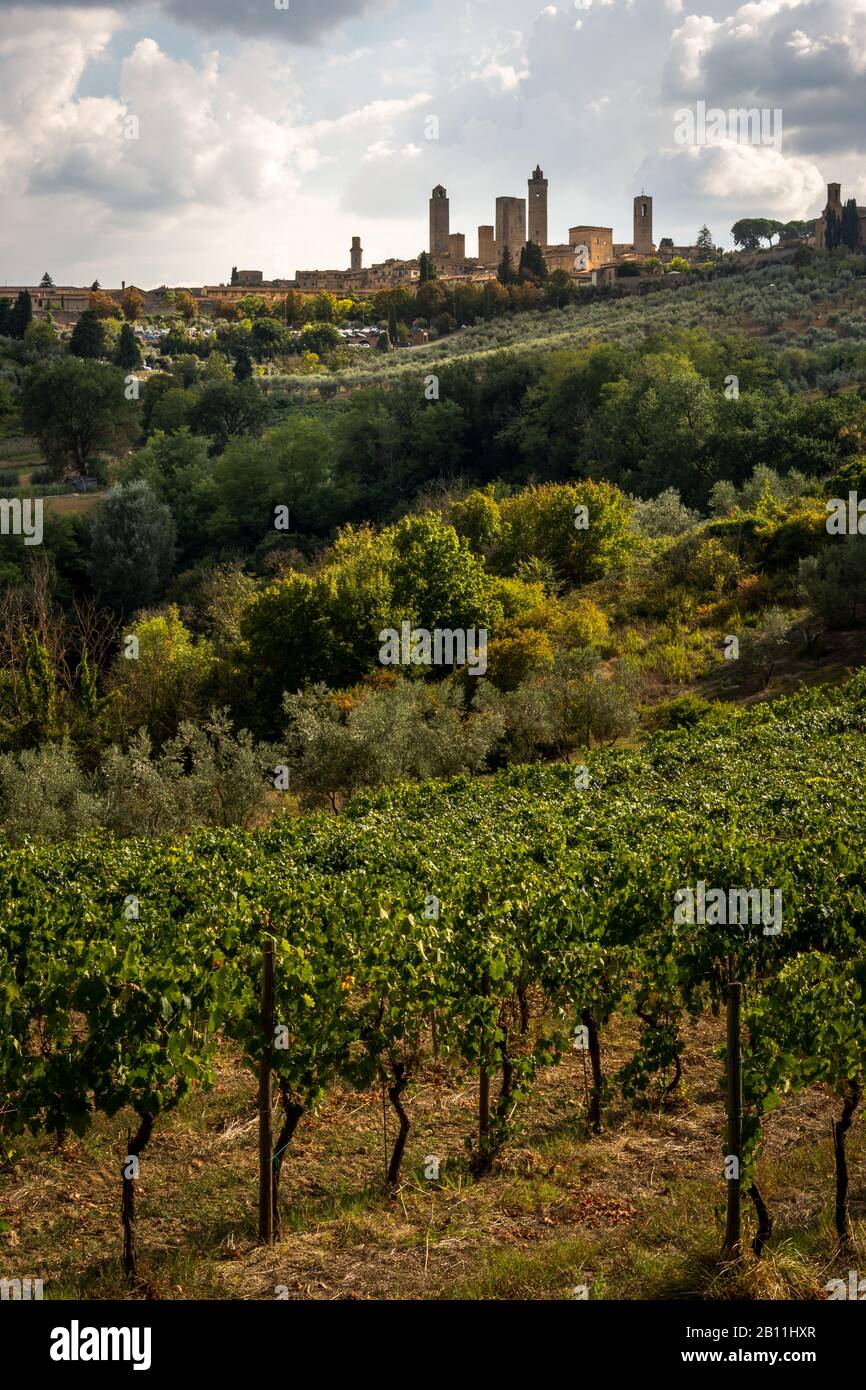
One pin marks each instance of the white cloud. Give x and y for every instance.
(251, 144)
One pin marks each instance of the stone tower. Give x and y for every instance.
(439, 221)
(356, 253)
(510, 227)
(486, 246)
(537, 207)
(643, 225)
(834, 205)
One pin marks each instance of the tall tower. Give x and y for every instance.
(511, 227)
(356, 253)
(643, 225)
(537, 207)
(439, 221)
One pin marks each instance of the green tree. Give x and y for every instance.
(426, 268)
(131, 547)
(132, 303)
(749, 232)
(559, 289)
(127, 354)
(46, 283)
(227, 408)
(319, 338)
(21, 315)
(532, 260)
(505, 270)
(242, 367)
(76, 409)
(166, 683)
(176, 468)
(704, 240)
(849, 231)
(88, 336)
(41, 335)
(269, 337)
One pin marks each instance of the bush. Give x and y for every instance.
(132, 547)
(834, 581)
(684, 712)
(44, 794)
(511, 659)
(409, 731)
(664, 515)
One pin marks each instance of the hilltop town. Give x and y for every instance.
(515, 249)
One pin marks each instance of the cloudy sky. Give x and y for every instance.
(165, 142)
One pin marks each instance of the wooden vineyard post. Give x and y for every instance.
(266, 1137)
(484, 1098)
(735, 1121)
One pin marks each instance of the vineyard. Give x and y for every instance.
(497, 925)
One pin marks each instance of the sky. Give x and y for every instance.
(164, 143)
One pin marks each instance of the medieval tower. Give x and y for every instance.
(643, 225)
(486, 245)
(510, 227)
(356, 253)
(537, 207)
(439, 222)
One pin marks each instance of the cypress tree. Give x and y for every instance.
(242, 369)
(21, 315)
(128, 353)
(88, 336)
(850, 228)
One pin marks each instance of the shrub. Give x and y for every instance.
(834, 581)
(44, 794)
(511, 659)
(683, 712)
(664, 515)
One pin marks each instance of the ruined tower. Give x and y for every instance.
(510, 227)
(438, 221)
(537, 207)
(643, 225)
(356, 253)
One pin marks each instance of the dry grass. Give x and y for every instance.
(75, 503)
(633, 1213)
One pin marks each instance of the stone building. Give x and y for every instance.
(355, 253)
(598, 242)
(643, 225)
(510, 227)
(486, 246)
(537, 207)
(835, 205)
(439, 221)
